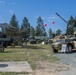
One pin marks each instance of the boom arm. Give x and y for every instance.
(61, 18)
(65, 20)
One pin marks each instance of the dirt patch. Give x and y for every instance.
(52, 67)
(42, 72)
(47, 68)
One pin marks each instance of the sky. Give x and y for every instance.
(32, 9)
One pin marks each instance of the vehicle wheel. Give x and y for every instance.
(69, 48)
(55, 51)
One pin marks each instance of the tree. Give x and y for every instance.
(50, 33)
(40, 30)
(54, 34)
(58, 32)
(32, 32)
(14, 22)
(14, 27)
(70, 25)
(26, 27)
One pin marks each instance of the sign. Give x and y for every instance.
(63, 48)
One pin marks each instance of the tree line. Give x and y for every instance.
(26, 30)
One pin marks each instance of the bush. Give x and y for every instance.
(32, 41)
(39, 41)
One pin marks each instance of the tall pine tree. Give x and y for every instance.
(50, 33)
(70, 26)
(12, 31)
(26, 27)
(58, 32)
(32, 32)
(40, 30)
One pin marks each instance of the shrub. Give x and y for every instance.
(32, 41)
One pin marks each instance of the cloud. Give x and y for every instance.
(50, 18)
(11, 11)
(1, 2)
(47, 18)
(54, 17)
(12, 3)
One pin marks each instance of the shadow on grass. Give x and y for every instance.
(21, 49)
(27, 47)
(34, 47)
(3, 65)
(73, 51)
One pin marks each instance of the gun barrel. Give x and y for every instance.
(61, 18)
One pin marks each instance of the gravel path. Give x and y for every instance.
(69, 59)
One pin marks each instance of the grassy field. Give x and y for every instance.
(32, 53)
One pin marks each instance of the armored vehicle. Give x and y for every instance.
(69, 42)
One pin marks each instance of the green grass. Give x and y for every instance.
(32, 53)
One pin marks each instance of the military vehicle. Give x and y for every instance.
(4, 41)
(69, 42)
